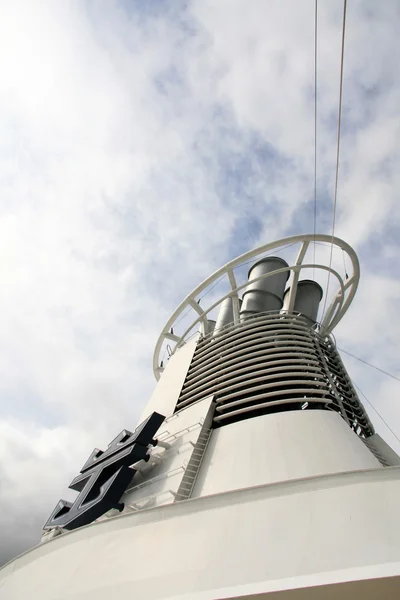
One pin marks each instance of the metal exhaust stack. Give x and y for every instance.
(265, 294)
(308, 296)
(225, 315)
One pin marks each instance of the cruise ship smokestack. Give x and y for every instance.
(225, 315)
(254, 469)
(265, 294)
(308, 297)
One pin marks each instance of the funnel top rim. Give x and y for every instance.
(313, 282)
(301, 281)
(267, 259)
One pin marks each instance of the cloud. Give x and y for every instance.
(141, 149)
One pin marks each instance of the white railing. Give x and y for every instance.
(338, 306)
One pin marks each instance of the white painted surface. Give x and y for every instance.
(166, 393)
(161, 477)
(280, 446)
(320, 530)
(384, 450)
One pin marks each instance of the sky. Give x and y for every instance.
(142, 146)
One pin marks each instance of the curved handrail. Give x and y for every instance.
(333, 315)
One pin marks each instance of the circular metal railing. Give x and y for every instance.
(346, 289)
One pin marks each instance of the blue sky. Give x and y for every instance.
(142, 146)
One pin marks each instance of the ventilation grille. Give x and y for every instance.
(270, 363)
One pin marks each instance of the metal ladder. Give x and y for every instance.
(382, 459)
(193, 466)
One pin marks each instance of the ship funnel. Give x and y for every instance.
(308, 296)
(264, 294)
(225, 315)
(210, 325)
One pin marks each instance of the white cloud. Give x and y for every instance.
(139, 150)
